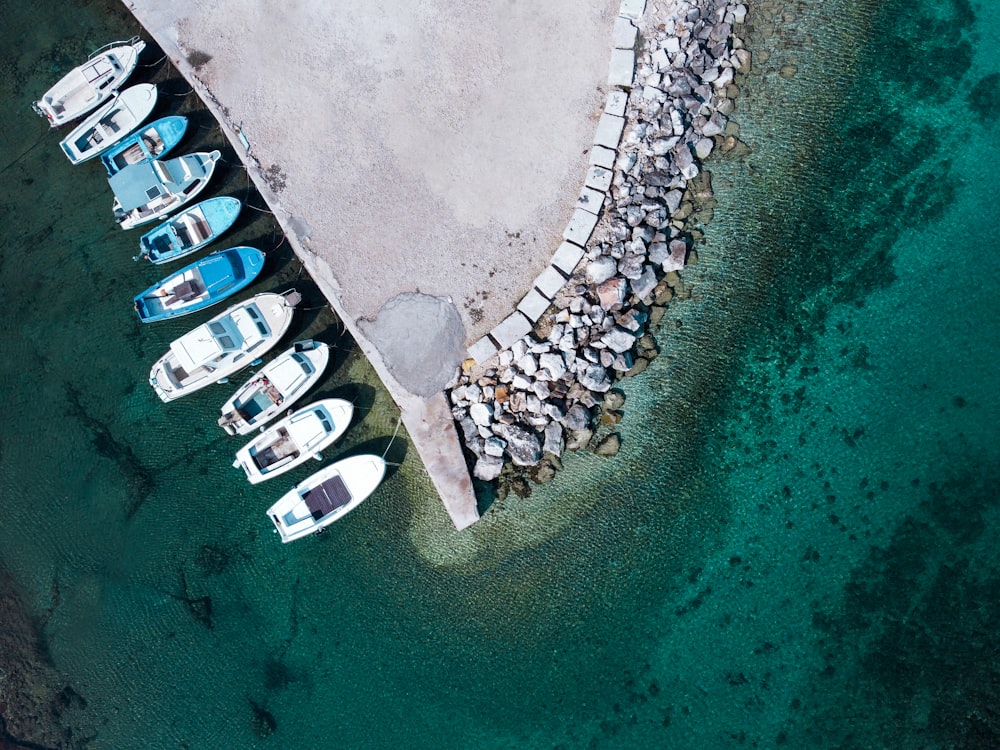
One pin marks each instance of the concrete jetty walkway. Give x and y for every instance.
(423, 159)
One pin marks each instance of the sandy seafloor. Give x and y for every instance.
(796, 546)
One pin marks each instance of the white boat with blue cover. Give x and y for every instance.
(278, 385)
(89, 85)
(329, 494)
(190, 230)
(201, 284)
(151, 142)
(110, 123)
(228, 342)
(146, 192)
(295, 439)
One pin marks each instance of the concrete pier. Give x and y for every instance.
(423, 159)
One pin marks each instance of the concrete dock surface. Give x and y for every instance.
(423, 159)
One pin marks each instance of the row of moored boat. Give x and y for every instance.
(148, 188)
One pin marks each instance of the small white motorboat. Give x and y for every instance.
(151, 190)
(295, 439)
(111, 123)
(88, 85)
(278, 385)
(329, 494)
(228, 342)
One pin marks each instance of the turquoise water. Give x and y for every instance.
(795, 546)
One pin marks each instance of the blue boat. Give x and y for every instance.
(201, 284)
(152, 142)
(189, 230)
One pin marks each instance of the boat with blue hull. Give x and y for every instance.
(189, 230)
(201, 284)
(151, 142)
(149, 191)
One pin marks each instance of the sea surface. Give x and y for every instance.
(796, 546)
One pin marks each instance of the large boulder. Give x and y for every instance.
(595, 378)
(487, 468)
(619, 340)
(601, 269)
(553, 439)
(522, 446)
(554, 364)
(611, 293)
(577, 418)
(482, 414)
(609, 446)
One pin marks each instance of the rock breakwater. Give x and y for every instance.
(675, 81)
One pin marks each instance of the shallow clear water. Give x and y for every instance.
(794, 546)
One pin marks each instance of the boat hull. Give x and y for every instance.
(173, 239)
(89, 85)
(110, 123)
(171, 380)
(199, 285)
(153, 141)
(294, 440)
(275, 388)
(198, 169)
(294, 515)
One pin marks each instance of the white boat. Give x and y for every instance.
(110, 123)
(228, 342)
(278, 385)
(88, 85)
(295, 439)
(326, 496)
(151, 190)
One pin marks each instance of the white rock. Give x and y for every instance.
(482, 414)
(528, 364)
(703, 147)
(619, 340)
(494, 446)
(601, 269)
(554, 364)
(644, 285)
(553, 439)
(595, 379)
(488, 468)
(521, 382)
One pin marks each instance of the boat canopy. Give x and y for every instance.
(287, 374)
(309, 427)
(138, 184)
(204, 344)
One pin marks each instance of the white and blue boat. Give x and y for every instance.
(189, 230)
(152, 142)
(294, 440)
(329, 494)
(228, 342)
(151, 190)
(201, 284)
(110, 123)
(278, 385)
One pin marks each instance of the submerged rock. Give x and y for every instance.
(609, 446)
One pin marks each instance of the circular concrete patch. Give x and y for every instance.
(421, 339)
